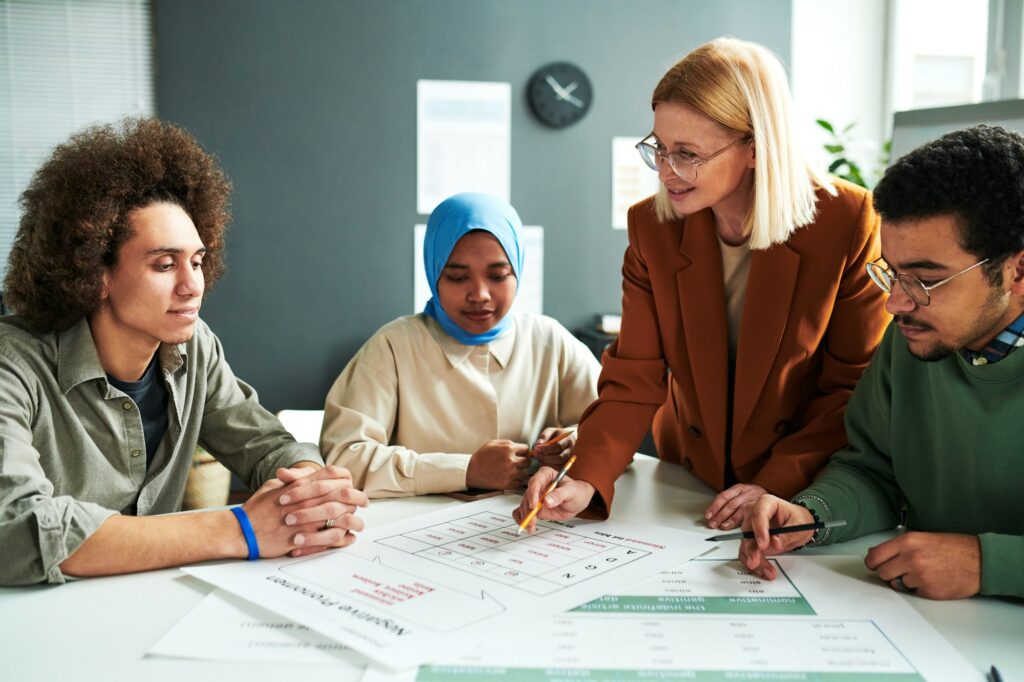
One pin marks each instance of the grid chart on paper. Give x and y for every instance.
(486, 544)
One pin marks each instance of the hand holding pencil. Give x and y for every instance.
(771, 512)
(553, 495)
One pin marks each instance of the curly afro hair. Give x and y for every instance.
(976, 174)
(75, 211)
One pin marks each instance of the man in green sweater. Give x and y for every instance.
(936, 424)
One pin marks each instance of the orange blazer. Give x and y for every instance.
(811, 321)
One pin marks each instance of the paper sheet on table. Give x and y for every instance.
(829, 619)
(529, 290)
(224, 627)
(406, 591)
(463, 140)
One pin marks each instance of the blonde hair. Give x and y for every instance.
(742, 86)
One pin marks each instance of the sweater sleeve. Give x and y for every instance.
(859, 485)
(1002, 564)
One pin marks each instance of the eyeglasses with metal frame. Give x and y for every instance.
(918, 292)
(684, 164)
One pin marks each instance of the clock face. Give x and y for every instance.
(559, 94)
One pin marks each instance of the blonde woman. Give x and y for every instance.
(748, 315)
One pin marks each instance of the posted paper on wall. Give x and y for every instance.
(405, 592)
(632, 179)
(530, 287)
(463, 140)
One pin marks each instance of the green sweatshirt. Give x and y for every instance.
(944, 438)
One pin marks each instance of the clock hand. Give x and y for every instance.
(569, 88)
(574, 100)
(559, 90)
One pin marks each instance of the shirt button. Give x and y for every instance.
(980, 361)
(136, 453)
(127, 405)
(694, 431)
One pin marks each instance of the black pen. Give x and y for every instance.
(994, 675)
(777, 531)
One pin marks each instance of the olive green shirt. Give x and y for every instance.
(72, 449)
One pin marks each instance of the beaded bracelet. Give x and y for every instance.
(814, 538)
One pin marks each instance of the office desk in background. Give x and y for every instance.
(101, 628)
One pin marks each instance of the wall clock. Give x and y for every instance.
(559, 94)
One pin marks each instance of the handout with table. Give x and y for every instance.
(457, 595)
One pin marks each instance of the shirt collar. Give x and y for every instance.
(500, 349)
(78, 361)
(1007, 341)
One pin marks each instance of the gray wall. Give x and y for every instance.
(311, 107)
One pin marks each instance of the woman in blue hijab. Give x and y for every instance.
(447, 400)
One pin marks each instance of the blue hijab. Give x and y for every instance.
(450, 221)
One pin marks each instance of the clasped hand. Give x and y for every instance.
(288, 513)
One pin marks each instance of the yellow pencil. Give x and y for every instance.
(540, 503)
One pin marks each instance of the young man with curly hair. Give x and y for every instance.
(934, 426)
(109, 379)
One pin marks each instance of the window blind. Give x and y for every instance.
(64, 65)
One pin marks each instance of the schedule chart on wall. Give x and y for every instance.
(406, 590)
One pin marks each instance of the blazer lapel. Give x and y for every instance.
(701, 292)
(770, 289)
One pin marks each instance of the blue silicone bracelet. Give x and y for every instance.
(247, 531)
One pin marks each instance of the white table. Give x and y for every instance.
(101, 628)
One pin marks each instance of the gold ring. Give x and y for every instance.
(328, 523)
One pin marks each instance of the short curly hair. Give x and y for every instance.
(75, 214)
(977, 175)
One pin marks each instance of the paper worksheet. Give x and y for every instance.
(405, 591)
(224, 627)
(841, 624)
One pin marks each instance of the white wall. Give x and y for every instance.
(838, 72)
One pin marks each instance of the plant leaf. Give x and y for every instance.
(834, 148)
(825, 124)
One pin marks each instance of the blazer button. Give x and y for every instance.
(694, 431)
(687, 464)
(782, 427)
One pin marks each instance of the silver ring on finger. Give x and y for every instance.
(329, 523)
(902, 586)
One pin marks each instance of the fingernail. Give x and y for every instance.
(727, 524)
(713, 524)
(285, 499)
(707, 515)
(290, 520)
(300, 539)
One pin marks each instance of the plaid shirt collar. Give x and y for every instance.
(998, 348)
